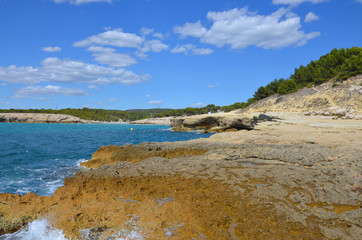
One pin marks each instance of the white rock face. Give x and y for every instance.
(39, 118)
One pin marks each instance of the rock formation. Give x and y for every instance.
(333, 98)
(218, 122)
(39, 118)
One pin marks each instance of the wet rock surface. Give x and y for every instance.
(286, 179)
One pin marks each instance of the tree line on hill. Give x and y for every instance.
(94, 114)
(338, 64)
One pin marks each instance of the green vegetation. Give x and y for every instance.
(95, 114)
(338, 64)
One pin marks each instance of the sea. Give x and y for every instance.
(36, 157)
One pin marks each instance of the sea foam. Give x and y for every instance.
(37, 230)
(43, 230)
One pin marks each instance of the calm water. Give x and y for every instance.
(36, 157)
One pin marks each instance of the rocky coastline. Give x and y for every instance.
(39, 118)
(287, 167)
(296, 176)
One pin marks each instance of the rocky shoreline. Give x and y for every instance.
(297, 177)
(40, 118)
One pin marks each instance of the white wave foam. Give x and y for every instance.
(80, 161)
(133, 235)
(37, 230)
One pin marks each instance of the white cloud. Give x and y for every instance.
(146, 31)
(113, 99)
(191, 49)
(213, 85)
(160, 35)
(116, 38)
(154, 46)
(141, 55)
(296, 2)
(79, 2)
(28, 92)
(360, 1)
(93, 87)
(3, 84)
(155, 102)
(51, 49)
(310, 17)
(108, 56)
(198, 104)
(69, 71)
(148, 95)
(241, 28)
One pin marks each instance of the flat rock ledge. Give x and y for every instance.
(218, 122)
(297, 178)
(39, 118)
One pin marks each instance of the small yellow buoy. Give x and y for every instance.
(131, 129)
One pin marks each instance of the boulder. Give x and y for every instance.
(218, 123)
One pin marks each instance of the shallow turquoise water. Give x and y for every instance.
(36, 157)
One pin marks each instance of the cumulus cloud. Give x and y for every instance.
(116, 38)
(296, 2)
(191, 49)
(146, 31)
(241, 28)
(79, 2)
(160, 35)
(108, 56)
(31, 91)
(51, 49)
(311, 17)
(155, 102)
(113, 99)
(154, 46)
(148, 95)
(69, 71)
(94, 87)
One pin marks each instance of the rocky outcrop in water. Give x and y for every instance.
(39, 118)
(218, 122)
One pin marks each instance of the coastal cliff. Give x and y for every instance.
(331, 99)
(295, 177)
(39, 118)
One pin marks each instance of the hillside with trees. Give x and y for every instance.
(338, 64)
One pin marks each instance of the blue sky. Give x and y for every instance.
(126, 54)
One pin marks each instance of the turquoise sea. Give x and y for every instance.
(36, 157)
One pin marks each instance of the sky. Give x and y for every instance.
(132, 54)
